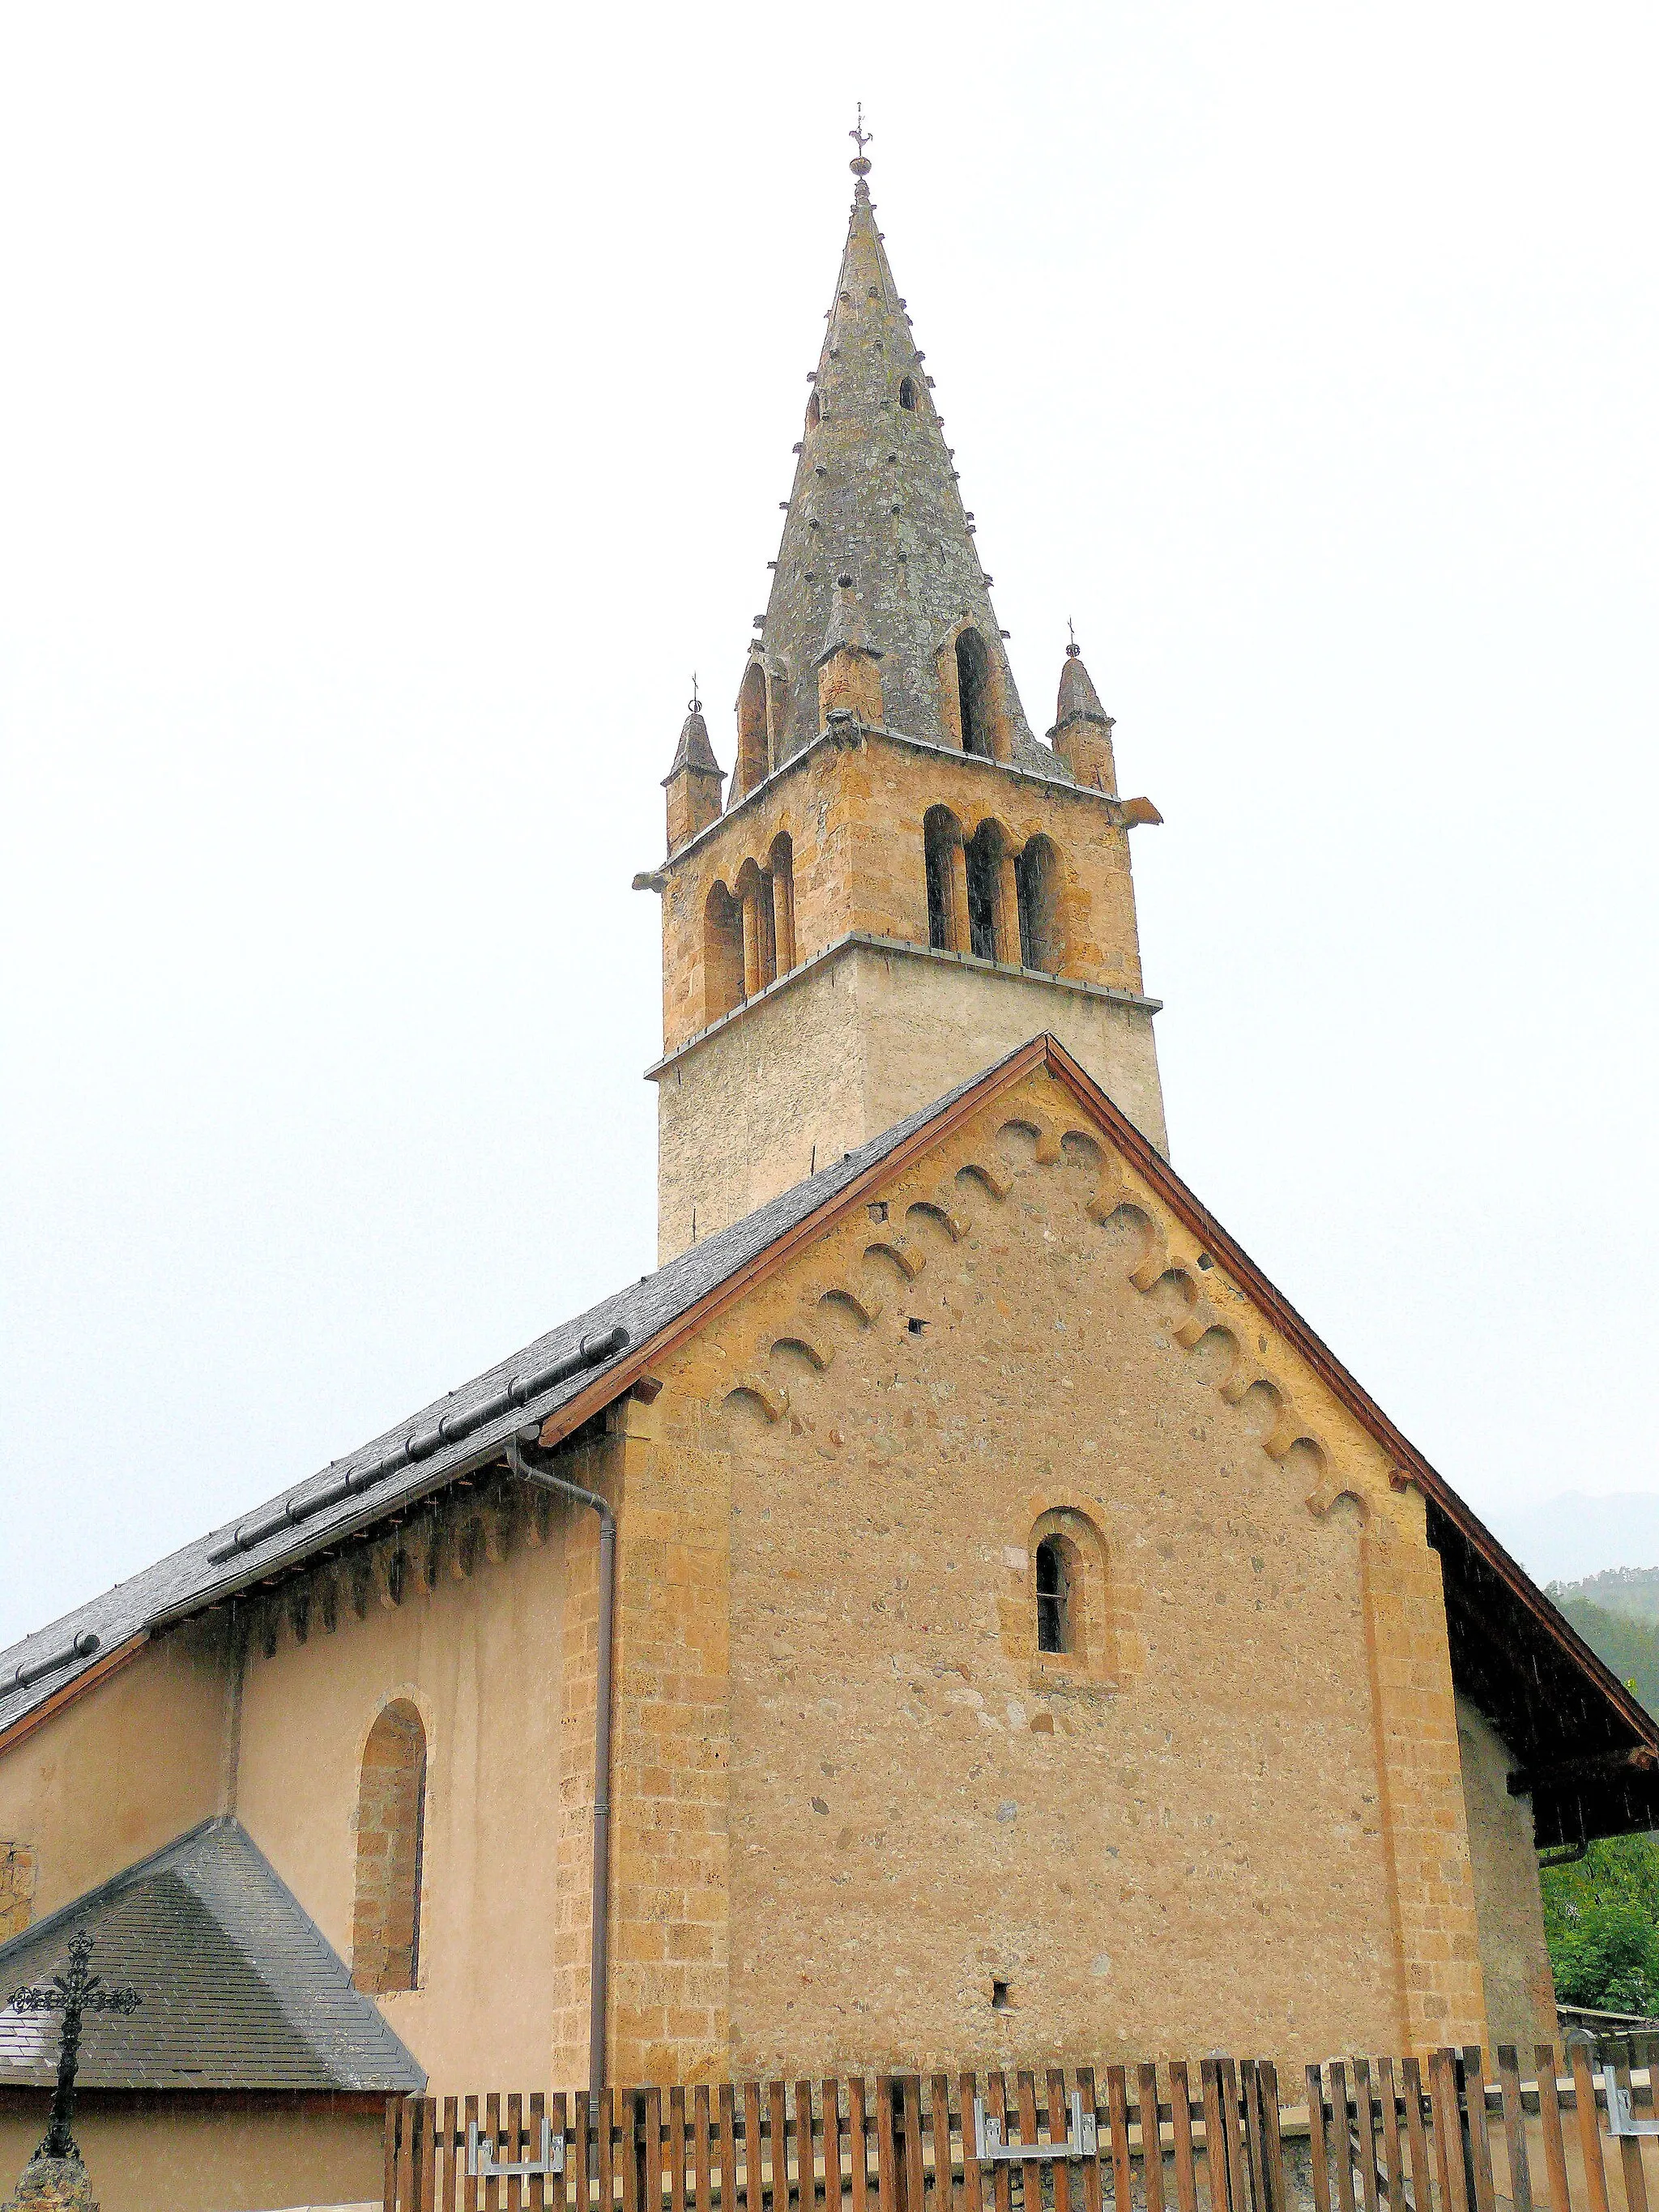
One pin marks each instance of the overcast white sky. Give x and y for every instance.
(394, 406)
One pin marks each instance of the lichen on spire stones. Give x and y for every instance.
(876, 496)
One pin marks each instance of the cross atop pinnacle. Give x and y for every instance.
(860, 165)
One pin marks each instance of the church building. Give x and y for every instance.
(955, 1612)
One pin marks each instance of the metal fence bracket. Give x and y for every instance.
(991, 2147)
(1620, 2119)
(480, 2155)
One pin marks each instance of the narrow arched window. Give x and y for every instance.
(908, 395)
(722, 954)
(386, 1926)
(992, 934)
(1053, 1624)
(1041, 936)
(753, 762)
(942, 854)
(973, 693)
(814, 412)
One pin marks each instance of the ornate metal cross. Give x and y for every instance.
(72, 1994)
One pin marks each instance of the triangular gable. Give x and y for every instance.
(1590, 1748)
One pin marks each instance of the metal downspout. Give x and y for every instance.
(599, 1973)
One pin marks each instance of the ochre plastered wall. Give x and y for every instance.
(1217, 1837)
(473, 1635)
(148, 1746)
(210, 2153)
(1509, 1898)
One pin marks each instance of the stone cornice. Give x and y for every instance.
(840, 740)
(855, 939)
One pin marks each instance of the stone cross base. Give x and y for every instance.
(53, 2185)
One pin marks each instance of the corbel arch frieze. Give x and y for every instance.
(1209, 1317)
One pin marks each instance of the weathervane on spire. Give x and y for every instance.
(860, 165)
(1073, 648)
(694, 704)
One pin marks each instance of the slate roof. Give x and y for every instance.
(240, 1989)
(875, 499)
(1590, 1750)
(190, 1578)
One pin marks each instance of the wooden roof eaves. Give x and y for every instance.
(110, 1662)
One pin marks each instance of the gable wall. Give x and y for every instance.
(145, 1751)
(1239, 1825)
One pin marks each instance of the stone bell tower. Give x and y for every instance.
(903, 883)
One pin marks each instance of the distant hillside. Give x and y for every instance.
(1564, 1539)
(1633, 1591)
(1630, 1647)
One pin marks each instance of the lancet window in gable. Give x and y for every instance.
(1053, 1591)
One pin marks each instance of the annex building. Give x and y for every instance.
(1010, 1634)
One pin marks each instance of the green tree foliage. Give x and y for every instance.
(1601, 1917)
(1630, 1647)
(1631, 1591)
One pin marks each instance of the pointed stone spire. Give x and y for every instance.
(693, 783)
(1082, 735)
(875, 497)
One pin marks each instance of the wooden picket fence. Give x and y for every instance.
(1450, 2133)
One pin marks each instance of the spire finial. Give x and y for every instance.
(860, 165)
(1073, 648)
(694, 704)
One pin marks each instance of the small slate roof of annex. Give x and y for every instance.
(240, 1989)
(190, 1578)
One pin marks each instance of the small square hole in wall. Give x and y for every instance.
(1206, 1261)
(878, 1211)
(1000, 2001)
(915, 1325)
